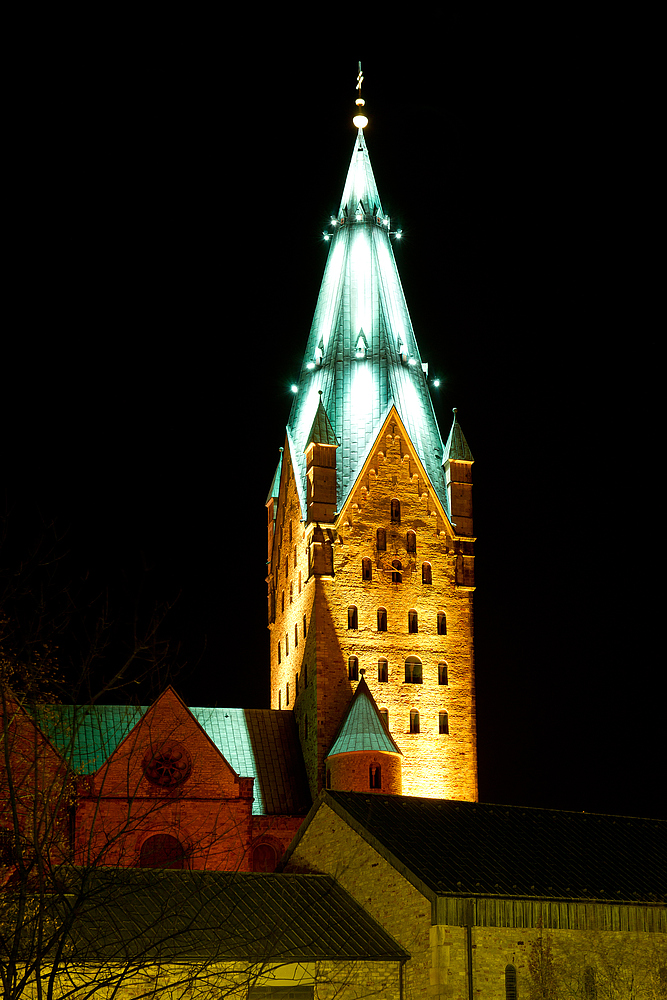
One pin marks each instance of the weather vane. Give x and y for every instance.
(360, 119)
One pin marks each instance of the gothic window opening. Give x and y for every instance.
(510, 983)
(427, 576)
(286, 645)
(411, 541)
(352, 617)
(290, 531)
(442, 623)
(383, 671)
(395, 511)
(442, 672)
(162, 851)
(366, 570)
(299, 581)
(382, 619)
(282, 601)
(353, 668)
(443, 723)
(381, 540)
(295, 557)
(412, 621)
(279, 656)
(375, 776)
(397, 571)
(296, 636)
(291, 593)
(413, 670)
(304, 626)
(414, 721)
(385, 718)
(287, 693)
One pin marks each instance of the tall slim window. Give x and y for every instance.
(296, 636)
(299, 581)
(291, 593)
(412, 621)
(414, 721)
(413, 670)
(295, 557)
(287, 693)
(382, 619)
(374, 776)
(442, 623)
(397, 571)
(411, 541)
(383, 670)
(396, 511)
(353, 668)
(510, 983)
(366, 570)
(385, 718)
(351, 617)
(279, 656)
(443, 723)
(381, 540)
(442, 672)
(286, 645)
(427, 576)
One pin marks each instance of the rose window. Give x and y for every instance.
(168, 766)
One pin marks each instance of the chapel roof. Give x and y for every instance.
(451, 847)
(189, 916)
(362, 728)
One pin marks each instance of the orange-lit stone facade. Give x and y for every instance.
(390, 553)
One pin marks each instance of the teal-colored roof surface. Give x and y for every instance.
(321, 432)
(457, 447)
(275, 482)
(258, 743)
(363, 728)
(362, 352)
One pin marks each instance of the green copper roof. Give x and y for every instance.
(275, 483)
(321, 432)
(457, 446)
(363, 728)
(257, 743)
(362, 353)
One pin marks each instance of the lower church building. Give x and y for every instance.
(332, 844)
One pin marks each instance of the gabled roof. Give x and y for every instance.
(447, 847)
(257, 743)
(362, 728)
(361, 300)
(190, 916)
(321, 432)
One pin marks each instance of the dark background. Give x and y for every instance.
(172, 188)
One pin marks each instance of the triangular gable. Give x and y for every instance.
(393, 417)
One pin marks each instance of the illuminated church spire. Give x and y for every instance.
(362, 354)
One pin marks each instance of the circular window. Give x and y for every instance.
(168, 766)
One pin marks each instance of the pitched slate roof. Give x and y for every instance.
(363, 728)
(258, 743)
(189, 916)
(470, 848)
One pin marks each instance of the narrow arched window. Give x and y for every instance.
(385, 717)
(299, 581)
(304, 626)
(353, 668)
(443, 723)
(295, 557)
(366, 569)
(287, 693)
(264, 858)
(382, 619)
(412, 621)
(397, 571)
(280, 699)
(510, 983)
(375, 776)
(381, 536)
(442, 672)
(413, 670)
(296, 636)
(383, 670)
(427, 576)
(414, 721)
(282, 601)
(442, 623)
(279, 656)
(411, 541)
(396, 511)
(351, 617)
(286, 645)
(291, 593)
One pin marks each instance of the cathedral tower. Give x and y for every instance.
(370, 528)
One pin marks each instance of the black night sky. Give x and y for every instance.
(167, 271)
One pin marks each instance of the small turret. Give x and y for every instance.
(457, 465)
(321, 468)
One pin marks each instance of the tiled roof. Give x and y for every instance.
(321, 432)
(179, 916)
(478, 849)
(457, 446)
(363, 728)
(258, 743)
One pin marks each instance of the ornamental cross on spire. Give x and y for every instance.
(360, 77)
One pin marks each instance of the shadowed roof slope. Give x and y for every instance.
(179, 916)
(470, 848)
